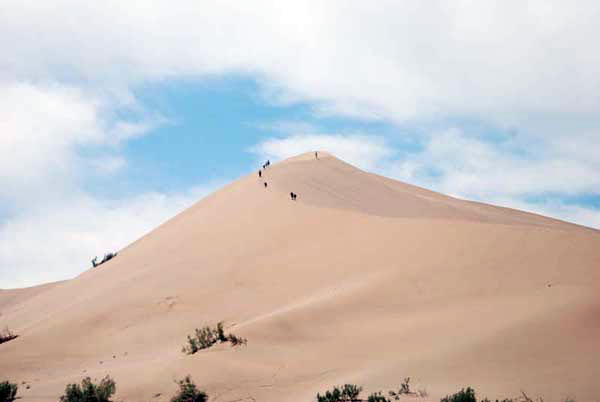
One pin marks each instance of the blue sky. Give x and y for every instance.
(114, 116)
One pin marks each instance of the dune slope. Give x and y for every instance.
(362, 279)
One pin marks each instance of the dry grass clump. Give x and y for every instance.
(206, 336)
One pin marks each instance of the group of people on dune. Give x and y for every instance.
(265, 165)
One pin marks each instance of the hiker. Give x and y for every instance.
(265, 184)
(95, 262)
(316, 155)
(268, 162)
(292, 196)
(259, 173)
(295, 195)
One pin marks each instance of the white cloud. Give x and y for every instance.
(366, 152)
(453, 162)
(49, 226)
(53, 242)
(395, 60)
(107, 165)
(42, 129)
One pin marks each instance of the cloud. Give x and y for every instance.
(54, 242)
(54, 139)
(44, 127)
(366, 152)
(454, 162)
(506, 61)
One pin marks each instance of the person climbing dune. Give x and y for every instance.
(265, 184)
(259, 173)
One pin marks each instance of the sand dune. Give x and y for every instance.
(363, 279)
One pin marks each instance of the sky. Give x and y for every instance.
(116, 116)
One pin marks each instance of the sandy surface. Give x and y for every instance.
(363, 279)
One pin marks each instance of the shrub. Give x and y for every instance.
(206, 337)
(188, 392)
(236, 340)
(330, 396)
(90, 392)
(464, 395)
(221, 333)
(8, 391)
(203, 338)
(404, 389)
(191, 347)
(6, 335)
(347, 393)
(106, 258)
(350, 392)
(377, 397)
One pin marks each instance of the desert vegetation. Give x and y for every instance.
(206, 337)
(464, 395)
(468, 395)
(404, 389)
(106, 258)
(6, 335)
(188, 392)
(87, 391)
(346, 393)
(377, 397)
(351, 392)
(8, 391)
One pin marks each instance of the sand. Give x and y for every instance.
(362, 279)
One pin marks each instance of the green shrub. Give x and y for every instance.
(377, 397)
(191, 347)
(6, 335)
(8, 391)
(403, 390)
(203, 338)
(221, 333)
(350, 392)
(464, 395)
(188, 392)
(330, 396)
(347, 393)
(236, 340)
(90, 392)
(206, 337)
